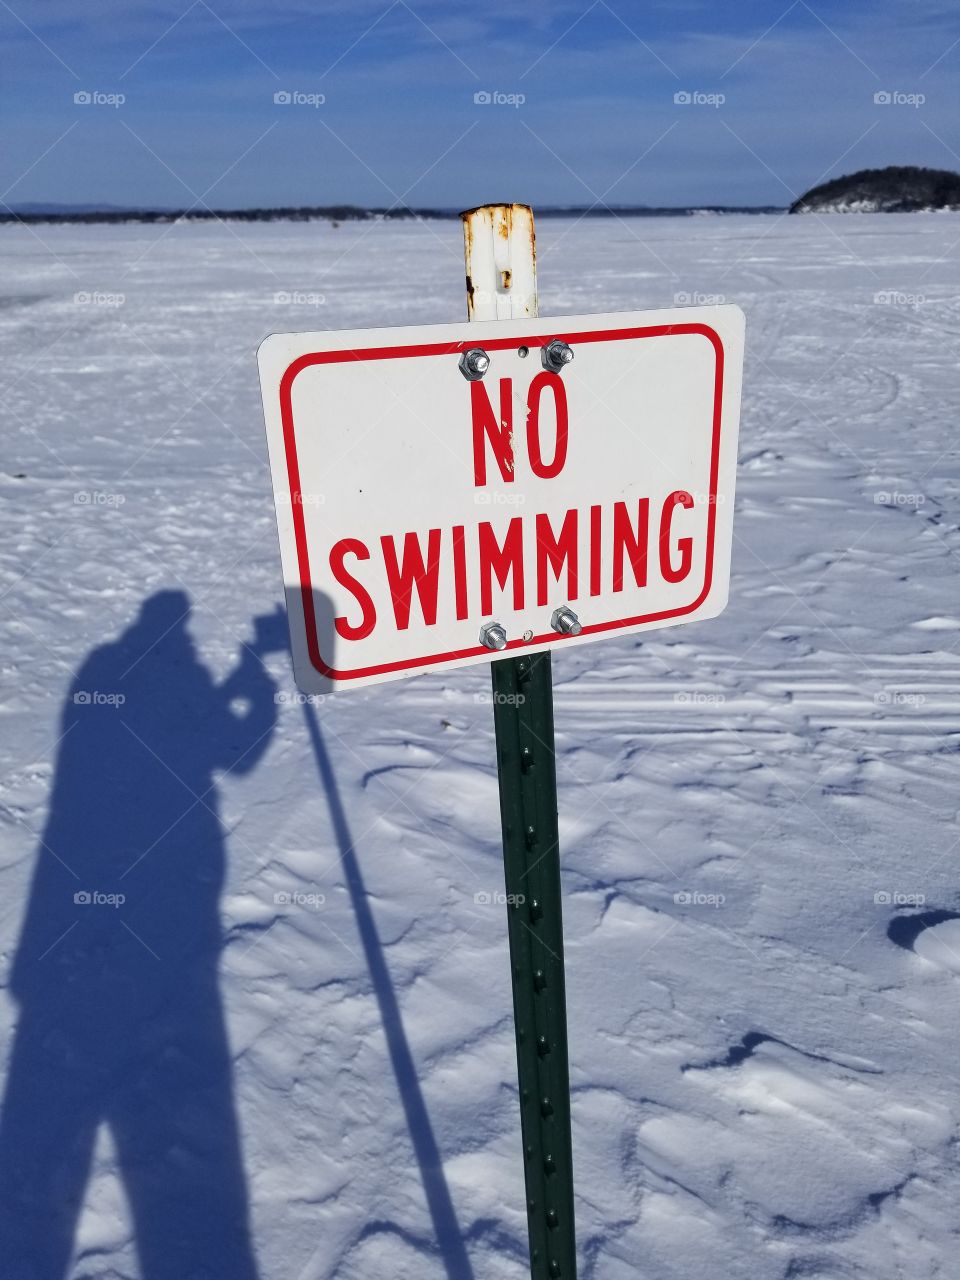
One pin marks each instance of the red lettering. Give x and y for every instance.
(633, 542)
(537, 465)
(501, 561)
(557, 550)
(460, 571)
(499, 432)
(413, 575)
(684, 545)
(352, 547)
(595, 529)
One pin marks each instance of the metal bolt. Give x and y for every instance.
(555, 355)
(492, 635)
(474, 364)
(566, 621)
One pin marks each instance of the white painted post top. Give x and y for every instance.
(501, 262)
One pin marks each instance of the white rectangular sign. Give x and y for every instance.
(416, 507)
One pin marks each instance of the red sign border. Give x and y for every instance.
(455, 349)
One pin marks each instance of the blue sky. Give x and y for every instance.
(382, 105)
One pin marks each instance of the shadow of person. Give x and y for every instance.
(116, 969)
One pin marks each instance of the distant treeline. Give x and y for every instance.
(333, 213)
(329, 213)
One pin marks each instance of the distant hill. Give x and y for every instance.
(896, 189)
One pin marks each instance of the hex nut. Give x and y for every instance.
(474, 363)
(556, 355)
(565, 621)
(493, 636)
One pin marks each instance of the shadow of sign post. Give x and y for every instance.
(446, 1228)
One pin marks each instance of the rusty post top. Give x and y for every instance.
(507, 204)
(501, 260)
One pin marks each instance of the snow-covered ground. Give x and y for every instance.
(758, 813)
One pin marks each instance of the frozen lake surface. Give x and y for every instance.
(758, 813)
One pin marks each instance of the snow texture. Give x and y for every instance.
(277, 1039)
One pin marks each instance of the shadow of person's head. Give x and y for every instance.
(164, 613)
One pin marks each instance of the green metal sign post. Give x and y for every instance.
(523, 716)
(501, 283)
